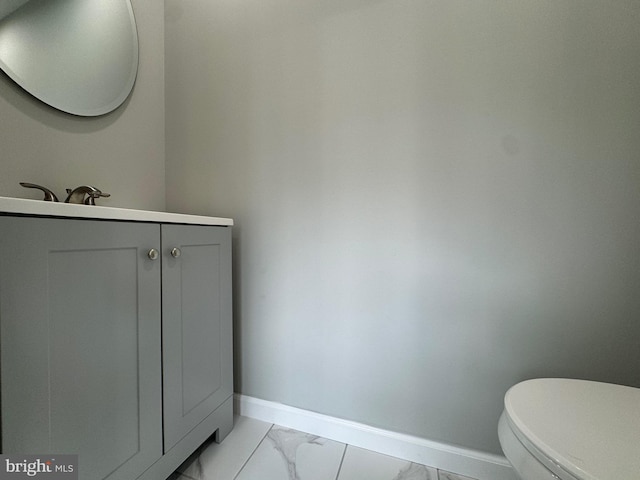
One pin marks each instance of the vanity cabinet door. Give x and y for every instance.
(196, 325)
(80, 343)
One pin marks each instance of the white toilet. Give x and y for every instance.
(554, 428)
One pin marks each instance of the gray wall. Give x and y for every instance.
(434, 199)
(122, 152)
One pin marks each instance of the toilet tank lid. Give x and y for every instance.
(590, 429)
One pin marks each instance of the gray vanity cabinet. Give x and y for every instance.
(196, 331)
(90, 363)
(80, 343)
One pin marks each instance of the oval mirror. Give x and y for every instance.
(79, 56)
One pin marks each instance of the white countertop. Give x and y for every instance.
(58, 209)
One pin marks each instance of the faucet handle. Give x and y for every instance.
(49, 196)
(91, 197)
(77, 195)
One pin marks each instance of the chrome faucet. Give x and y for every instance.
(77, 195)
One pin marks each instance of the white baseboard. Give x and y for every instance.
(468, 462)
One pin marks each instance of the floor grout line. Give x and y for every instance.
(344, 452)
(253, 452)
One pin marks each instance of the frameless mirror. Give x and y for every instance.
(79, 56)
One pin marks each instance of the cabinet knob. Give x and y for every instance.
(175, 252)
(153, 254)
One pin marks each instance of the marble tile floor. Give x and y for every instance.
(256, 450)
